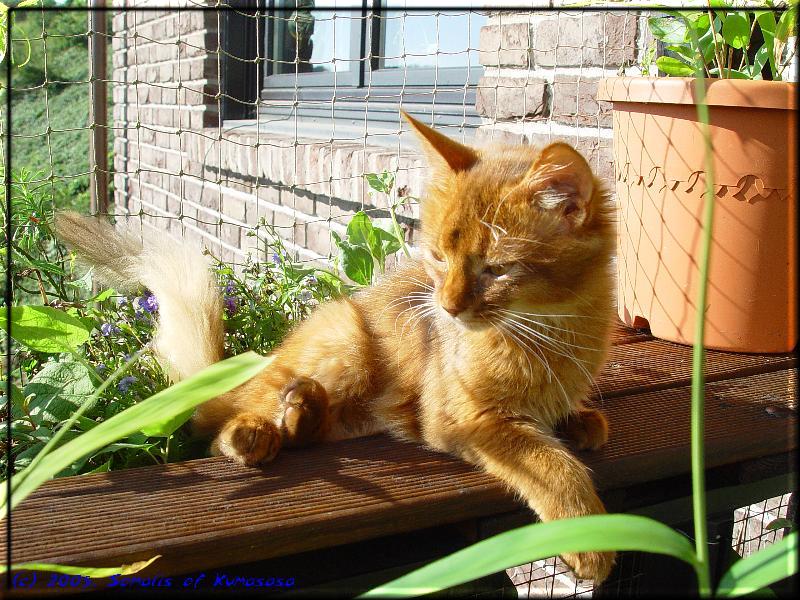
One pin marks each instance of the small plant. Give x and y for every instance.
(727, 42)
(368, 242)
(69, 341)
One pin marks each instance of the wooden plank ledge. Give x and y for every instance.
(212, 512)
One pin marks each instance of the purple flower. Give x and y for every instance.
(148, 303)
(311, 280)
(305, 295)
(276, 258)
(231, 305)
(125, 383)
(107, 329)
(122, 301)
(230, 287)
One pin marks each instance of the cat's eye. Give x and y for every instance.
(498, 269)
(436, 255)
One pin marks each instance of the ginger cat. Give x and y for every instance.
(483, 348)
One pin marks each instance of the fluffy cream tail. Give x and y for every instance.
(190, 332)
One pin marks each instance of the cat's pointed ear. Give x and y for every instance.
(440, 148)
(561, 179)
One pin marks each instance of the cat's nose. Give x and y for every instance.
(454, 310)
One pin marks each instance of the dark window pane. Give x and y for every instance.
(318, 40)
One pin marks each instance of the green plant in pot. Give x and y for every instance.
(660, 177)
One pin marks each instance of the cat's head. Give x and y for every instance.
(511, 227)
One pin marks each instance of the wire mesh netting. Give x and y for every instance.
(258, 130)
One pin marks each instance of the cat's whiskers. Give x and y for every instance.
(422, 284)
(558, 345)
(499, 205)
(498, 325)
(417, 303)
(553, 344)
(542, 359)
(507, 326)
(423, 310)
(563, 343)
(518, 317)
(532, 314)
(493, 229)
(408, 298)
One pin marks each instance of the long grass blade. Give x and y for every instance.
(698, 350)
(93, 572)
(593, 533)
(773, 563)
(213, 381)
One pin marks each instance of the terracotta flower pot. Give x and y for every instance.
(660, 182)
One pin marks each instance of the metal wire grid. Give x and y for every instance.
(551, 578)
(190, 187)
(217, 139)
(190, 191)
(750, 532)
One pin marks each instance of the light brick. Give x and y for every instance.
(585, 39)
(575, 102)
(511, 97)
(504, 45)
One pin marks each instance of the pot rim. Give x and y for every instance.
(680, 90)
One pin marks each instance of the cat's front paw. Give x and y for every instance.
(591, 565)
(305, 417)
(248, 438)
(587, 429)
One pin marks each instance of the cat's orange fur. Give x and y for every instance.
(483, 348)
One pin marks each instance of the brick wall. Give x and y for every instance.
(541, 72)
(184, 171)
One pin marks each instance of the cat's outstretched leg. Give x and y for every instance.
(555, 484)
(586, 428)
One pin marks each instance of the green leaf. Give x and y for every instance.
(759, 60)
(731, 73)
(786, 24)
(768, 565)
(706, 42)
(58, 389)
(533, 542)
(388, 240)
(104, 295)
(93, 572)
(46, 329)
(41, 265)
(17, 400)
(766, 21)
(169, 426)
(779, 524)
(669, 30)
(684, 51)
(104, 468)
(698, 21)
(360, 230)
(177, 399)
(380, 183)
(361, 233)
(357, 263)
(736, 29)
(673, 66)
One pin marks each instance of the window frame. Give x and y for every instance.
(357, 93)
